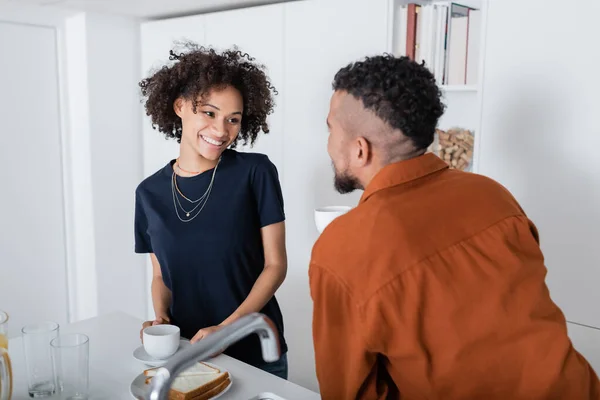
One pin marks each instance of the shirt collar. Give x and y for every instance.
(404, 172)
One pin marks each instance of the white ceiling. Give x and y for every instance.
(146, 9)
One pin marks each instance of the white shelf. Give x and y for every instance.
(459, 88)
(476, 4)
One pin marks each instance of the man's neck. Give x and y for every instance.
(403, 156)
(378, 164)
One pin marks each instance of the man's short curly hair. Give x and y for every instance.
(398, 90)
(196, 71)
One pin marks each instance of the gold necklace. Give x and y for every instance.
(186, 171)
(205, 196)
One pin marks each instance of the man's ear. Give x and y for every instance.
(178, 107)
(363, 151)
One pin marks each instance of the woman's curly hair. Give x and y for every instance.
(197, 70)
(398, 90)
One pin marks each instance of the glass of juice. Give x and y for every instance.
(5, 367)
(3, 330)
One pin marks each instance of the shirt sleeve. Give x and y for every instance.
(142, 239)
(346, 367)
(267, 191)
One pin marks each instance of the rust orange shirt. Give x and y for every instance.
(433, 287)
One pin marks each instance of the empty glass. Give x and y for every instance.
(70, 356)
(38, 359)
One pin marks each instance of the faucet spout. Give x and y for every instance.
(213, 345)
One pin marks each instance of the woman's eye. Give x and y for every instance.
(209, 113)
(234, 120)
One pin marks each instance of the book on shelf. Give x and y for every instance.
(445, 35)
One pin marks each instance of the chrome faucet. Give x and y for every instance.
(212, 345)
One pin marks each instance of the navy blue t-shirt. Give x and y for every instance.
(211, 263)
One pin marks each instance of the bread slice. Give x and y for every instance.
(213, 392)
(197, 369)
(194, 387)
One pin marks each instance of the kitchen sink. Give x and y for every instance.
(266, 396)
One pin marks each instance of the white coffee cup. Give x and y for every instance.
(324, 215)
(161, 341)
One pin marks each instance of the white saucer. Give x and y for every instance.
(141, 355)
(138, 387)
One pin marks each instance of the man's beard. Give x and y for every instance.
(345, 183)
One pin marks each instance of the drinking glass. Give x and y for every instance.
(5, 367)
(3, 330)
(38, 360)
(70, 356)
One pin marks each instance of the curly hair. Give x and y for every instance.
(195, 71)
(398, 90)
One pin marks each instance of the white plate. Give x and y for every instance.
(138, 386)
(141, 355)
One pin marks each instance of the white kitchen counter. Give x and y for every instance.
(114, 337)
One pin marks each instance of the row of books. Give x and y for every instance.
(445, 35)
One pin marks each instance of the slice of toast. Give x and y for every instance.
(213, 392)
(199, 368)
(194, 387)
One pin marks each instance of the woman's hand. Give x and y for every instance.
(157, 321)
(204, 332)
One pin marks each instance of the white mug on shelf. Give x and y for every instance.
(324, 215)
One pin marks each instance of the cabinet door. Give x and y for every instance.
(320, 38)
(157, 38)
(258, 32)
(33, 275)
(540, 135)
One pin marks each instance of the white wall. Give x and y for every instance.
(94, 69)
(33, 272)
(540, 136)
(113, 50)
(81, 262)
(104, 163)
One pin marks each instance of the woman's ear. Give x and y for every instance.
(178, 107)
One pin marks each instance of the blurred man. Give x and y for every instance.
(433, 286)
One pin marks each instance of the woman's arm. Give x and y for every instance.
(161, 295)
(272, 276)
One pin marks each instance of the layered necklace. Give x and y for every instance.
(198, 204)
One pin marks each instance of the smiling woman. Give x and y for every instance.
(198, 70)
(212, 220)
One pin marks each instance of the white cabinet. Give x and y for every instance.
(258, 32)
(320, 38)
(33, 274)
(540, 136)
